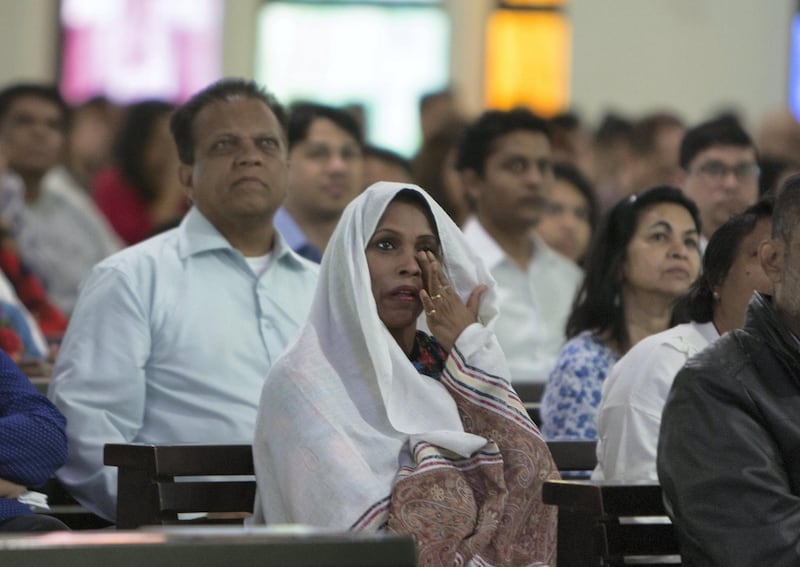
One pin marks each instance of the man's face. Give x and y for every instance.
(326, 171)
(722, 181)
(241, 167)
(32, 134)
(516, 183)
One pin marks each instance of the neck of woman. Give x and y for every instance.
(646, 313)
(405, 338)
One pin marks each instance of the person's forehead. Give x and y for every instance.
(323, 127)
(235, 114)
(526, 142)
(673, 213)
(724, 152)
(564, 190)
(34, 103)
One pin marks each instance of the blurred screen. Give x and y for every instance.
(135, 49)
(380, 59)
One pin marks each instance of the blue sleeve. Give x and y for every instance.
(33, 441)
(20, 325)
(572, 395)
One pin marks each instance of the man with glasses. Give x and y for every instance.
(325, 174)
(720, 171)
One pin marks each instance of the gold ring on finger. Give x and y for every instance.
(437, 296)
(431, 313)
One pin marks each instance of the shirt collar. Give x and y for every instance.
(708, 331)
(291, 231)
(196, 235)
(491, 253)
(482, 243)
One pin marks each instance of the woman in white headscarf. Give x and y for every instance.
(368, 422)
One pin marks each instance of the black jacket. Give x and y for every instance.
(729, 447)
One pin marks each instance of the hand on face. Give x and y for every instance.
(446, 314)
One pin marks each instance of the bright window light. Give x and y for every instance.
(382, 58)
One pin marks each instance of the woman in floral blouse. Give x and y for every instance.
(645, 257)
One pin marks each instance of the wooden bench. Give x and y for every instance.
(150, 490)
(596, 525)
(208, 546)
(579, 457)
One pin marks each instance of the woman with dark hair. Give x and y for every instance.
(644, 259)
(393, 411)
(634, 394)
(570, 219)
(141, 192)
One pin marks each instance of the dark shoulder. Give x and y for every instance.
(722, 364)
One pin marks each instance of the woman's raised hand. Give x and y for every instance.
(446, 314)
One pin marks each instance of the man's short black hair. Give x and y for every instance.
(47, 92)
(477, 142)
(388, 156)
(722, 131)
(303, 114)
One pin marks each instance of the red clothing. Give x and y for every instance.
(123, 206)
(31, 292)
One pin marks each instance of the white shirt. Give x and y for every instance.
(634, 395)
(534, 303)
(60, 236)
(170, 342)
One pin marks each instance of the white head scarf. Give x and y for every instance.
(340, 406)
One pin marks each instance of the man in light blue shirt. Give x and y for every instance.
(326, 173)
(171, 339)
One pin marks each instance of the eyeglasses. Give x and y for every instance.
(718, 170)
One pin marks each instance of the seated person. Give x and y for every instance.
(728, 459)
(32, 446)
(644, 258)
(635, 392)
(505, 163)
(570, 218)
(369, 423)
(173, 337)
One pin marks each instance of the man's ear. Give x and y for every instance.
(471, 182)
(185, 175)
(771, 252)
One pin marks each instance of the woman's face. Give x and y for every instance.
(663, 256)
(565, 223)
(745, 275)
(394, 272)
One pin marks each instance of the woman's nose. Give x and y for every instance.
(409, 264)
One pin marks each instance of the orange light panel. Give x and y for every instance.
(527, 61)
(534, 3)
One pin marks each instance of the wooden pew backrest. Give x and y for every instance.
(150, 490)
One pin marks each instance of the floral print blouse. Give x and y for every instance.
(572, 395)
